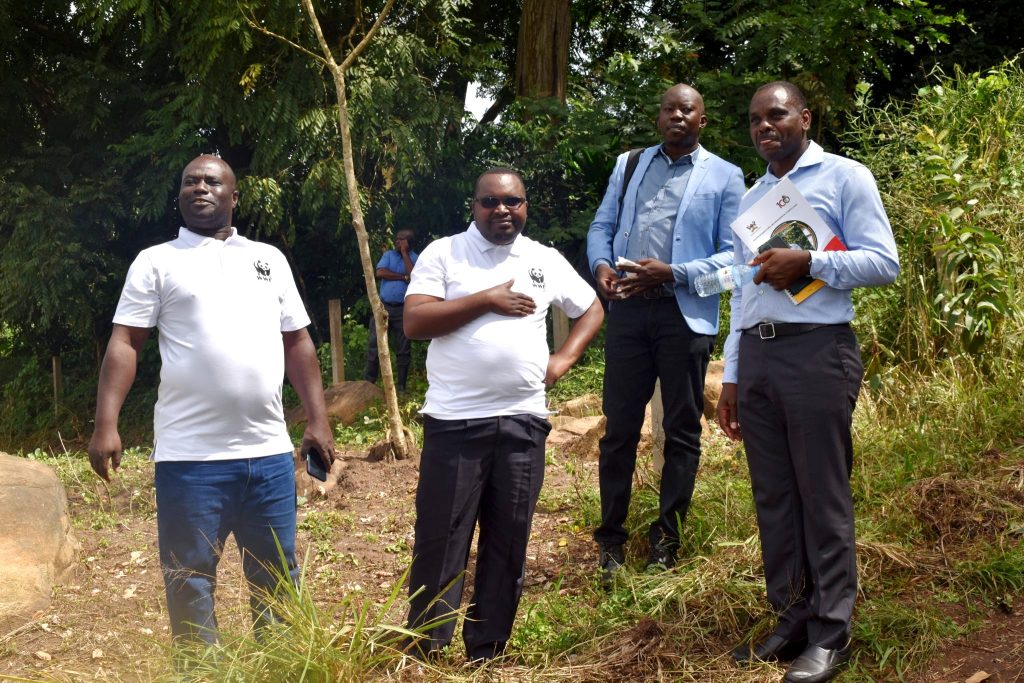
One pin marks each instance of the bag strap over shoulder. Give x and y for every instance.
(631, 162)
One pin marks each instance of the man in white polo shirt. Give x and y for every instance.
(482, 298)
(231, 325)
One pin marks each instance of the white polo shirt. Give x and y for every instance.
(220, 307)
(494, 365)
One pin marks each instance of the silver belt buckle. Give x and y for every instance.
(766, 330)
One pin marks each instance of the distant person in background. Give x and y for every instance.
(231, 326)
(482, 298)
(791, 380)
(394, 270)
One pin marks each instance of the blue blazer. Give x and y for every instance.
(702, 239)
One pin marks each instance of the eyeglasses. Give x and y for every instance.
(492, 202)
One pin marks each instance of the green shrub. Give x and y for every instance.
(950, 165)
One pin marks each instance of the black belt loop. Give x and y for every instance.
(770, 330)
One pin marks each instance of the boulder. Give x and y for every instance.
(37, 546)
(344, 401)
(586, 445)
(581, 406)
(567, 430)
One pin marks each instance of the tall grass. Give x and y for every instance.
(352, 640)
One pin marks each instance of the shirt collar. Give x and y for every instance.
(692, 156)
(194, 239)
(812, 156)
(483, 245)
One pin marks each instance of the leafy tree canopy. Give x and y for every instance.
(108, 99)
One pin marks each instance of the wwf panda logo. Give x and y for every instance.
(262, 270)
(537, 276)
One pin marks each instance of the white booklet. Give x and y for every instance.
(784, 219)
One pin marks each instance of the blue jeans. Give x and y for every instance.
(198, 505)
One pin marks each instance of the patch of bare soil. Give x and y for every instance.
(994, 653)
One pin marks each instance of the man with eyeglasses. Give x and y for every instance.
(667, 210)
(482, 298)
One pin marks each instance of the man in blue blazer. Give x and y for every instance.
(673, 225)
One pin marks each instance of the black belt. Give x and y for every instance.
(388, 303)
(660, 292)
(773, 330)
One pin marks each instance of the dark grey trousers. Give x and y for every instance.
(796, 399)
(403, 346)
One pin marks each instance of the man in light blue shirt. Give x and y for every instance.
(671, 217)
(792, 377)
(394, 270)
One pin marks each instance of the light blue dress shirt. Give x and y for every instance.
(657, 203)
(393, 291)
(844, 194)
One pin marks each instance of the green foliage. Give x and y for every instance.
(585, 377)
(900, 636)
(949, 168)
(368, 428)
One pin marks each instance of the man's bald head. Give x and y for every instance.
(207, 196)
(212, 159)
(682, 89)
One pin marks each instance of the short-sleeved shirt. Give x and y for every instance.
(220, 307)
(393, 291)
(495, 364)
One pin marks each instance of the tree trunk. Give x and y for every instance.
(380, 317)
(542, 62)
(400, 447)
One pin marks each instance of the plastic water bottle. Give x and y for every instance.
(724, 279)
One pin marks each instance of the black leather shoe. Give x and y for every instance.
(817, 664)
(661, 557)
(610, 560)
(771, 649)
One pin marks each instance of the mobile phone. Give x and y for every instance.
(314, 465)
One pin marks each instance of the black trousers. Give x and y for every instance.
(491, 470)
(403, 346)
(796, 401)
(647, 340)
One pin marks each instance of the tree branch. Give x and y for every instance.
(252, 22)
(369, 35)
(328, 57)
